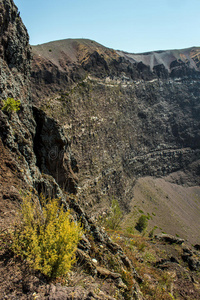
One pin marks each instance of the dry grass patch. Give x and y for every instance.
(156, 283)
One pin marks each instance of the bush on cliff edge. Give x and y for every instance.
(46, 236)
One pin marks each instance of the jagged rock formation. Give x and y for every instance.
(15, 53)
(16, 130)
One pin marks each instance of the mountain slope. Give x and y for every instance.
(188, 56)
(65, 61)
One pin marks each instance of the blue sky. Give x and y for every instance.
(129, 25)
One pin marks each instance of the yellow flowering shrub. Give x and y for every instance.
(47, 236)
(11, 104)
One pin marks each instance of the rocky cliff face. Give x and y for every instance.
(17, 130)
(15, 53)
(127, 115)
(23, 133)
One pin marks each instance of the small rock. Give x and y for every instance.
(106, 273)
(169, 239)
(94, 261)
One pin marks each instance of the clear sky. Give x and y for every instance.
(129, 25)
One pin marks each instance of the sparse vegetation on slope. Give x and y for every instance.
(164, 273)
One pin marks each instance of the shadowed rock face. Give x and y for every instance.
(53, 153)
(127, 115)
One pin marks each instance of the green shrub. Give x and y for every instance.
(142, 223)
(151, 233)
(46, 236)
(115, 216)
(11, 105)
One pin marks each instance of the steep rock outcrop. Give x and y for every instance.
(14, 53)
(20, 131)
(53, 153)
